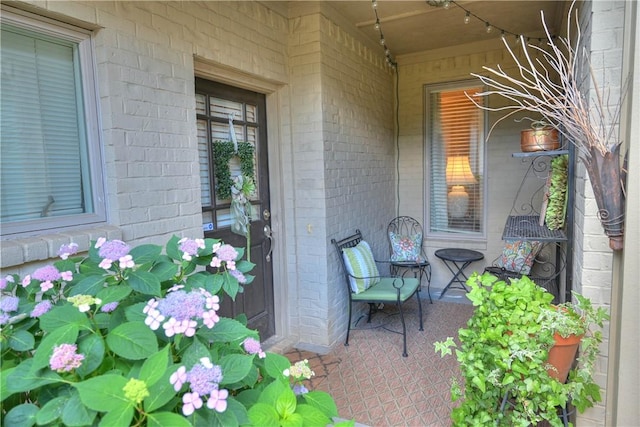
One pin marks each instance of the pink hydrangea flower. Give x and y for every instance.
(65, 358)
(189, 247)
(45, 286)
(178, 378)
(191, 402)
(47, 273)
(26, 281)
(218, 400)
(105, 264)
(215, 262)
(67, 276)
(126, 262)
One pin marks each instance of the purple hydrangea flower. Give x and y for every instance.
(189, 247)
(227, 253)
(46, 274)
(109, 307)
(9, 304)
(4, 318)
(252, 346)
(65, 358)
(66, 250)
(182, 305)
(238, 275)
(204, 377)
(41, 308)
(299, 389)
(113, 250)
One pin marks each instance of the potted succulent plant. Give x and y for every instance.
(504, 354)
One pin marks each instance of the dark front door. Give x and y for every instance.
(216, 104)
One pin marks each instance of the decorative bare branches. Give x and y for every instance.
(548, 84)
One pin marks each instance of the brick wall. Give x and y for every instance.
(144, 54)
(343, 171)
(602, 23)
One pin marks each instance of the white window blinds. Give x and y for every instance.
(455, 147)
(43, 146)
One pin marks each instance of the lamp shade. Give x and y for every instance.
(458, 171)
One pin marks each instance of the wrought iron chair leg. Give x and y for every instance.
(420, 311)
(346, 342)
(404, 330)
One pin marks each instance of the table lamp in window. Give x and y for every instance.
(458, 175)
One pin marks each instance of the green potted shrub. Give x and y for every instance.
(504, 350)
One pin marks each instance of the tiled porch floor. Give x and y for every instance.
(372, 383)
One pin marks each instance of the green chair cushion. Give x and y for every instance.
(384, 291)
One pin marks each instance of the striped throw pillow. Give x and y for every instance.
(361, 264)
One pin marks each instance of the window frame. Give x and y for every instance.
(93, 144)
(481, 235)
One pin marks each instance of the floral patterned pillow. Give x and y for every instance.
(518, 256)
(405, 248)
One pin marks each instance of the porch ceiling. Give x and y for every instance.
(415, 26)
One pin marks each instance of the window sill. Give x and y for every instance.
(23, 250)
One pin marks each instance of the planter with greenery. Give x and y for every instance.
(504, 351)
(131, 336)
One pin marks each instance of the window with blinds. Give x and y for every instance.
(46, 179)
(455, 151)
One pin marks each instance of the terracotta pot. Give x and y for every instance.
(541, 137)
(561, 356)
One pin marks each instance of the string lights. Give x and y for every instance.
(489, 27)
(377, 26)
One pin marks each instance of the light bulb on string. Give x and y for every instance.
(467, 17)
(502, 35)
(446, 4)
(374, 4)
(488, 28)
(382, 41)
(377, 24)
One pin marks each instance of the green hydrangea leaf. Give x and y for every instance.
(144, 282)
(90, 285)
(312, 415)
(164, 271)
(21, 340)
(275, 365)
(21, 416)
(114, 293)
(322, 401)
(264, 415)
(132, 340)
(226, 330)
(286, 403)
(235, 367)
(93, 348)
(161, 392)
(118, 418)
(52, 410)
(104, 393)
(75, 413)
(62, 316)
(24, 378)
(164, 419)
(145, 253)
(154, 367)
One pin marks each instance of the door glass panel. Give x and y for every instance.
(222, 108)
(201, 104)
(251, 113)
(203, 156)
(207, 221)
(223, 218)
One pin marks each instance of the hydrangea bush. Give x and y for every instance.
(131, 336)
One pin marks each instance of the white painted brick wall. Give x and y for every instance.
(144, 54)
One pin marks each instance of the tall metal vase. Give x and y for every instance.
(607, 181)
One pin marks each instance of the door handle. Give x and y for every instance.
(268, 234)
